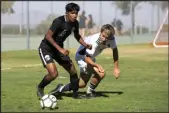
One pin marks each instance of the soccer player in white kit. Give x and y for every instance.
(86, 61)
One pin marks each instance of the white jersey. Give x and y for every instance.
(96, 48)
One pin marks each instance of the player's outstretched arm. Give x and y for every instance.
(116, 62)
(79, 38)
(81, 41)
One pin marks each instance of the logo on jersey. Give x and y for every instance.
(98, 41)
(63, 33)
(47, 57)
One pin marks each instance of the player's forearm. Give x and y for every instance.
(89, 61)
(116, 64)
(116, 57)
(80, 40)
(51, 41)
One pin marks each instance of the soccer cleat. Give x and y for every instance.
(91, 95)
(40, 92)
(56, 90)
(77, 96)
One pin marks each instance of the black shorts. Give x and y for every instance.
(48, 55)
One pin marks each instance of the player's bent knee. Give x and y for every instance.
(52, 70)
(82, 85)
(83, 81)
(72, 73)
(73, 70)
(53, 74)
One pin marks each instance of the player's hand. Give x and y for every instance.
(116, 72)
(100, 68)
(89, 46)
(64, 51)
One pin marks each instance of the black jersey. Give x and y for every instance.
(62, 29)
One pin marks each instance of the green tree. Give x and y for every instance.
(6, 7)
(125, 7)
(163, 5)
(45, 24)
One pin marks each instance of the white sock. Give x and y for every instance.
(89, 90)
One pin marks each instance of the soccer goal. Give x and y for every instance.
(161, 37)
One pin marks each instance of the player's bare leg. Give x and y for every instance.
(95, 80)
(84, 78)
(52, 74)
(74, 81)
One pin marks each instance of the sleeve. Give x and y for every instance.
(55, 25)
(112, 43)
(92, 40)
(92, 51)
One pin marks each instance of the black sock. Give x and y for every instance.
(66, 87)
(74, 83)
(44, 82)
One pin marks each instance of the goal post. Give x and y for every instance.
(161, 37)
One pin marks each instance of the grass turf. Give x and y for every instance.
(142, 86)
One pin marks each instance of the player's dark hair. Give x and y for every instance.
(72, 7)
(109, 29)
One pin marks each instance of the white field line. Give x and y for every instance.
(25, 66)
(6, 69)
(29, 65)
(110, 57)
(36, 65)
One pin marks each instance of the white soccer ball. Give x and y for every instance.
(48, 101)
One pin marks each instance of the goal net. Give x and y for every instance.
(161, 37)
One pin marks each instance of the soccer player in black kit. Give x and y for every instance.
(51, 48)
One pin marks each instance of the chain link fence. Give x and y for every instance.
(24, 29)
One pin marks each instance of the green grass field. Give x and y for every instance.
(142, 86)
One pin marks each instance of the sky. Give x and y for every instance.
(39, 10)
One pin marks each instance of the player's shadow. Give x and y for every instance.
(98, 94)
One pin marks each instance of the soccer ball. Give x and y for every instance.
(48, 101)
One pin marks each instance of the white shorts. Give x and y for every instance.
(82, 65)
